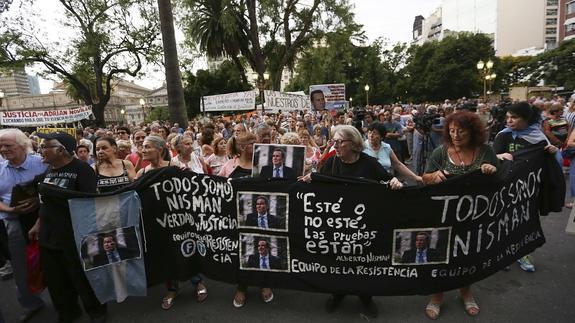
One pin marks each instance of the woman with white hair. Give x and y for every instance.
(350, 161)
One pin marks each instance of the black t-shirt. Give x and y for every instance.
(239, 172)
(56, 226)
(365, 167)
(504, 143)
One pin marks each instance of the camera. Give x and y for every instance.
(424, 122)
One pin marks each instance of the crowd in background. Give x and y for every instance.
(410, 144)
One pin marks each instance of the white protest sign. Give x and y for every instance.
(276, 101)
(230, 102)
(44, 117)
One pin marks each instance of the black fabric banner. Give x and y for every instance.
(342, 237)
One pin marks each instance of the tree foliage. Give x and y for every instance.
(446, 69)
(99, 40)
(269, 34)
(226, 79)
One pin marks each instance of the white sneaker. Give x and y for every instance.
(6, 271)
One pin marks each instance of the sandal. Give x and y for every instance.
(168, 300)
(239, 299)
(201, 293)
(432, 310)
(569, 205)
(471, 307)
(267, 295)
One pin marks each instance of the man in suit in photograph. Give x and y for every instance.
(261, 218)
(264, 259)
(112, 254)
(278, 169)
(422, 254)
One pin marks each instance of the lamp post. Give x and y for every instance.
(122, 112)
(261, 84)
(1, 98)
(490, 79)
(485, 72)
(366, 88)
(143, 105)
(351, 102)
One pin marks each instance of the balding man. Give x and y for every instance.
(19, 167)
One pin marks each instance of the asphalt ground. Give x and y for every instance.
(548, 295)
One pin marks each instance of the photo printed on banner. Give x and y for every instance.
(110, 247)
(263, 210)
(278, 161)
(421, 246)
(264, 252)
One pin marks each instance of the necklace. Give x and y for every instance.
(461, 162)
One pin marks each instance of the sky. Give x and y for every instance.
(390, 19)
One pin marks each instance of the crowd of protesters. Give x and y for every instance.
(400, 144)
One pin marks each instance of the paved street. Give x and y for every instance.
(514, 296)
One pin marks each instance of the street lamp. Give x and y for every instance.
(351, 102)
(366, 88)
(1, 97)
(143, 105)
(490, 79)
(485, 72)
(122, 111)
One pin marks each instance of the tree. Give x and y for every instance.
(269, 34)
(338, 60)
(226, 79)
(447, 68)
(176, 101)
(108, 39)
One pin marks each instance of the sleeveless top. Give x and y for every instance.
(111, 183)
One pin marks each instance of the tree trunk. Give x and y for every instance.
(98, 111)
(176, 101)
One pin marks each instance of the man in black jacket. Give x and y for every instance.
(264, 259)
(278, 169)
(261, 218)
(422, 254)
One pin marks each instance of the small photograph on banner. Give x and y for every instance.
(421, 246)
(278, 161)
(263, 210)
(264, 252)
(110, 247)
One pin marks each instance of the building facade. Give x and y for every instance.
(124, 102)
(529, 27)
(14, 82)
(566, 21)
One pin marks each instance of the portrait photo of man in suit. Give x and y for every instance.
(261, 218)
(112, 253)
(264, 259)
(422, 253)
(278, 169)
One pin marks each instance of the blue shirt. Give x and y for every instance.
(11, 175)
(383, 155)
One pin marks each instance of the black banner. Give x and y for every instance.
(334, 236)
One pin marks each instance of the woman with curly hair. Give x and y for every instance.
(463, 151)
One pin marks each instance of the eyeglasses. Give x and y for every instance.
(141, 137)
(121, 132)
(339, 141)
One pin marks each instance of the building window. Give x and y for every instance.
(552, 12)
(570, 27)
(550, 31)
(550, 39)
(551, 21)
(552, 2)
(571, 7)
